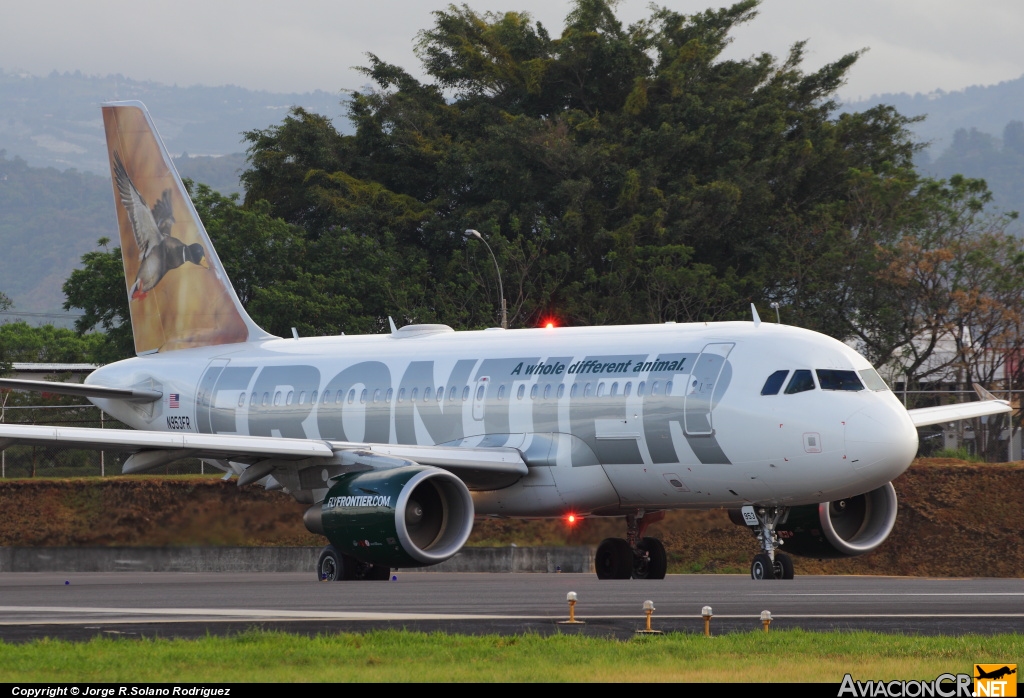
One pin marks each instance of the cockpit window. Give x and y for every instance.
(872, 379)
(800, 382)
(832, 379)
(773, 385)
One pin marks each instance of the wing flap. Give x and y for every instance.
(926, 416)
(479, 468)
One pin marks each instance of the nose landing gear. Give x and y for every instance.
(770, 564)
(636, 557)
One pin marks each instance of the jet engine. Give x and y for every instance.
(843, 528)
(410, 516)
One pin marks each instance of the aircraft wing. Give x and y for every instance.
(197, 445)
(479, 468)
(82, 390)
(925, 416)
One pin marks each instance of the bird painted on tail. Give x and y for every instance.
(159, 251)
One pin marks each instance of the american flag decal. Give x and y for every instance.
(173, 399)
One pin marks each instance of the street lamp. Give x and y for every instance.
(469, 234)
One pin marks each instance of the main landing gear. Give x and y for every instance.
(635, 557)
(771, 563)
(335, 566)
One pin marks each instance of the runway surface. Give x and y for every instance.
(34, 605)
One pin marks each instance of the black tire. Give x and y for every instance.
(614, 559)
(654, 565)
(783, 566)
(330, 567)
(762, 567)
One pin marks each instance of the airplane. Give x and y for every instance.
(995, 674)
(397, 442)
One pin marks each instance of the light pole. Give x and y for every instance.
(469, 234)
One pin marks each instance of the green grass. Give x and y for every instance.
(398, 656)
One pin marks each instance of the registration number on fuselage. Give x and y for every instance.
(179, 423)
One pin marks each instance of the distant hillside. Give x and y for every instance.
(988, 109)
(977, 132)
(55, 121)
(49, 218)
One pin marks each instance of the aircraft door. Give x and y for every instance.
(204, 394)
(700, 388)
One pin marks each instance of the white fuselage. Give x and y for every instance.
(608, 419)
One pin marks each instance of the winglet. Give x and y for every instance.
(984, 394)
(757, 318)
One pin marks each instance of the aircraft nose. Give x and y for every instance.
(881, 441)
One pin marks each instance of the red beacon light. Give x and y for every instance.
(573, 519)
(549, 323)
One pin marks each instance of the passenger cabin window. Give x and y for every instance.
(800, 382)
(872, 380)
(832, 379)
(773, 385)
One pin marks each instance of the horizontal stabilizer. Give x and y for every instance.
(82, 390)
(926, 416)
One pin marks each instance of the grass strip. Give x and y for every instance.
(400, 656)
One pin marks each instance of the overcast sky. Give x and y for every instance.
(915, 45)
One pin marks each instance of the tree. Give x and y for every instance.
(99, 289)
(630, 173)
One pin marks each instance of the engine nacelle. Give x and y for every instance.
(844, 528)
(400, 517)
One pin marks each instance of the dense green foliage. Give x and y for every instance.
(20, 342)
(623, 174)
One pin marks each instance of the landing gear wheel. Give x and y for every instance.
(614, 559)
(652, 565)
(330, 567)
(783, 566)
(762, 567)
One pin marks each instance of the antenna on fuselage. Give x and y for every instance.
(392, 323)
(757, 318)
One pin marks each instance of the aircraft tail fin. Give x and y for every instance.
(178, 292)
